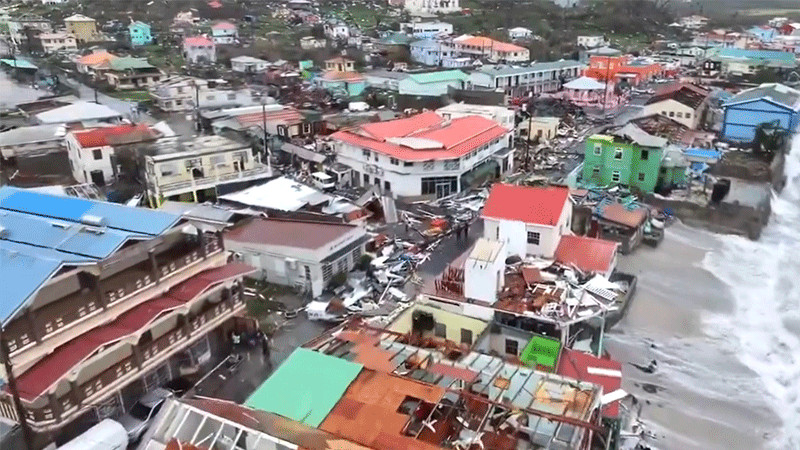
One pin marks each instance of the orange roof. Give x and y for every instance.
(587, 254)
(368, 412)
(119, 135)
(335, 75)
(485, 42)
(429, 136)
(197, 41)
(96, 58)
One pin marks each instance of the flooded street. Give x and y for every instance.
(13, 92)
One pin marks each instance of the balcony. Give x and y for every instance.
(153, 354)
(80, 306)
(179, 187)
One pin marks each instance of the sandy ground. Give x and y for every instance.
(700, 396)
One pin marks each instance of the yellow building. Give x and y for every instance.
(83, 28)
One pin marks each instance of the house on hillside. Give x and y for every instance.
(224, 33)
(426, 7)
(140, 33)
(482, 47)
(519, 34)
(58, 41)
(347, 84)
(530, 220)
(89, 64)
(199, 50)
(769, 103)
(132, 73)
(83, 28)
(248, 64)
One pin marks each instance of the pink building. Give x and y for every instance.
(588, 92)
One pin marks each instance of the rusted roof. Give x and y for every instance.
(335, 75)
(119, 135)
(618, 213)
(576, 364)
(47, 371)
(587, 254)
(368, 411)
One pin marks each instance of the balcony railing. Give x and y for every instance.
(198, 183)
(114, 289)
(151, 355)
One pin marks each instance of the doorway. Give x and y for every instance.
(442, 189)
(98, 178)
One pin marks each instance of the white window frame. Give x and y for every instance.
(618, 153)
(615, 174)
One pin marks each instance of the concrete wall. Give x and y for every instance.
(453, 322)
(509, 231)
(484, 279)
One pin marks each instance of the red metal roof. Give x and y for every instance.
(447, 139)
(575, 364)
(47, 371)
(535, 205)
(122, 134)
(289, 233)
(587, 254)
(335, 75)
(197, 41)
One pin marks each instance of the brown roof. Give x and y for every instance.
(687, 94)
(288, 233)
(368, 412)
(618, 213)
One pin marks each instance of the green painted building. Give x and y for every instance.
(631, 157)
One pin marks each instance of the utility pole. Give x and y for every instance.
(264, 129)
(605, 88)
(12, 386)
(196, 105)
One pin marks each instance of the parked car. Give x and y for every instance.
(106, 435)
(142, 413)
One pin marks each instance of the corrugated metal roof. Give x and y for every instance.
(305, 387)
(42, 233)
(77, 112)
(526, 204)
(778, 93)
(501, 69)
(438, 77)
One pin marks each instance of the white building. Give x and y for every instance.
(204, 164)
(539, 127)
(92, 153)
(536, 78)
(177, 93)
(18, 25)
(684, 103)
(426, 7)
(53, 42)
(693, 22)
(311, 43)
(482, 47)
(519, 33)
(199, 50)
(425, 155)
(500, 114)
(484, 270)
(248, 64)
(428, 30)
(530, 220)
(592, 41)
(32, 141)
(336, 30)
(302, 254)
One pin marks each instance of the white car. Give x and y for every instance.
(142, 413)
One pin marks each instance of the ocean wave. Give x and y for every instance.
(764, 279)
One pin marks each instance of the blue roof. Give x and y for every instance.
(19, 63)
(41, 233)
(703, 153)
(772, 55)
(136, 220)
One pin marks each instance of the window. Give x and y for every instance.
(645, 155)
(615, 176)
(533, 237)
(679, 115)
(428, 165)
(617, 153)
(365, 153)
(394, 161)
(447, 183)
(452, 164)
(641, 176)
(598, 149)
(688, 115)
(168, 169)
(512, 347)
(387, 186)
(672, 113)
(595, 171)
(366, 178)
(440, 330)
(232, 96)
(97, 154)
(466, 336)
(327, 272)
(408, 164)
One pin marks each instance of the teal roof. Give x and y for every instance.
(306, 387)
(19, 63)
(438, 77)
(787, 58)
(138, 24)
(127, 62)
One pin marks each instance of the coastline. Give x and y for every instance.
(700, 396)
